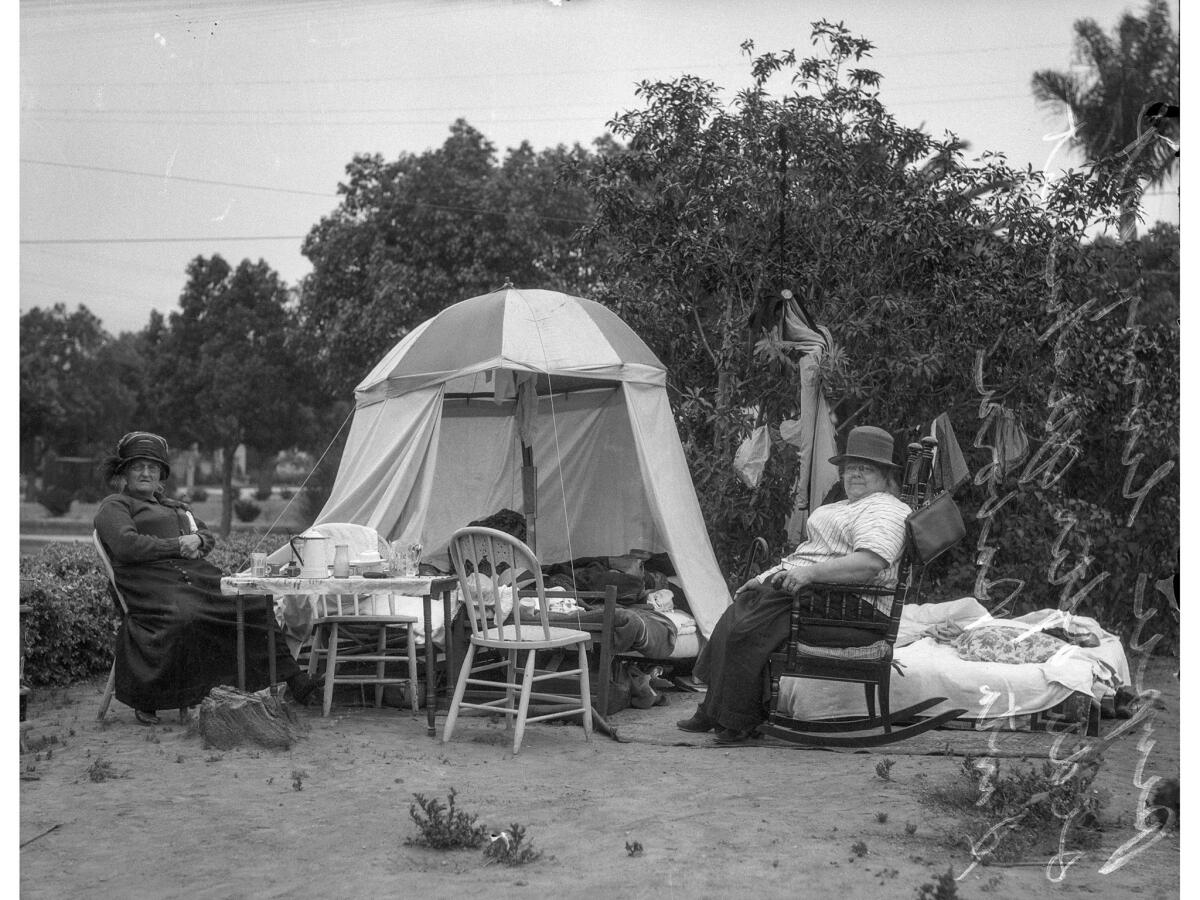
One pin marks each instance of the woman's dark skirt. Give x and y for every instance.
(179, 639)
(735, 660)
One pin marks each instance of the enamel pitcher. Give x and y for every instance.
(311, 548)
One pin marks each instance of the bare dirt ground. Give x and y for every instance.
(329, 818)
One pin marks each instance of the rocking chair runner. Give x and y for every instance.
(851, 606)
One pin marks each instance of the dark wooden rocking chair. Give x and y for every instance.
(850, 605)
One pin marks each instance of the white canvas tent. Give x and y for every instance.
(442, 421)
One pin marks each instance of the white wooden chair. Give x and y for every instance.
(478, 553)
(351, 630)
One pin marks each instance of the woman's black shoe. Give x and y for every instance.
(146, 716)
(302, 686)
(698, 723)
(734, 736)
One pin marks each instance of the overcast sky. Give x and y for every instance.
(152, 132)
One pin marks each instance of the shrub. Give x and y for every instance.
(198, 495)
(246, 510)
(90, 493)
(943, 887)
(56, 500)
(509, 847)
(69, 629)
(232, 554)
(1033, 803)
(262, 494)
(443, 827)
(286, 493)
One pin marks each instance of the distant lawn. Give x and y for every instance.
(208, 511)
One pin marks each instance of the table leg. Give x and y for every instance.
(241, 641)
(430, 674)
(451, 671)
(270, 601)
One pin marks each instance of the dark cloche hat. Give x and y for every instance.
(868, 443)
(144, 445)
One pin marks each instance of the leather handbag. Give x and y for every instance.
(935, 528)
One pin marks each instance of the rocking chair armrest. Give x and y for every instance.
(829, 587)
(842, 604)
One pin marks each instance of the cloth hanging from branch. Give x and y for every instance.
(751, 457)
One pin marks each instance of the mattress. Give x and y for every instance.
(987, 690)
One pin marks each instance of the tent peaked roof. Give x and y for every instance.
(573, 343)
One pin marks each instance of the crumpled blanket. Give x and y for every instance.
(1006, 644)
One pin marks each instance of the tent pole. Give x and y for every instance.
(529, 492)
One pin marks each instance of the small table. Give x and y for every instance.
(308, 589)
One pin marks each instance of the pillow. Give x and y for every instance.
(916, 618)
(1006, 644)
(684, 624)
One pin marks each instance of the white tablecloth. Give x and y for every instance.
(299, 601)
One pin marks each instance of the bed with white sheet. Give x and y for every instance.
(987, 690)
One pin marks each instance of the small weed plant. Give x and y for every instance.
(883, 768)
(944, 887)
(101, 770)
(443, 826)
(509, 847)
(1036, 800)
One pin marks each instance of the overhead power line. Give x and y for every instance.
(492, 74)
(415, 204)
(170, 177)
(163, 240)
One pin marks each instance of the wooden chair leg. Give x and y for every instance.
(523, 709)
(869, 689)
(585, 691)
(461, 688)
(509, 691)
(314, 651)
(381, 649)
(885, 699)
(109, 689)
(331, 644)
(414, 694)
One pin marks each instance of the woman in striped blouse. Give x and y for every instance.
(853, 541)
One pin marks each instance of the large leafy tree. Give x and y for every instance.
(413, 235)
(1126, 74)
(949, 285)
(78, 384)
(224, 373)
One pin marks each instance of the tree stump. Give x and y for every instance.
(229, 717)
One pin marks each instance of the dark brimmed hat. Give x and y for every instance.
(868, 443)
(144, 445)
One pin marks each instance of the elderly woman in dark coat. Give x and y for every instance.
(178, 639)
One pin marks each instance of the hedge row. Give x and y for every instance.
(73, 617)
